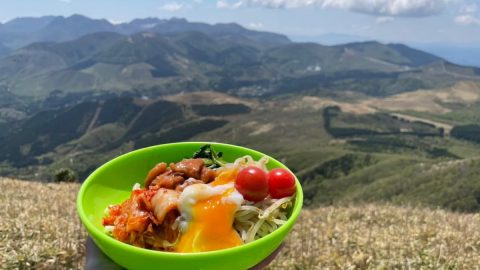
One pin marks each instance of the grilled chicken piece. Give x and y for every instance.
(167, 180)
(153, 173)
(207, 175)
(188, 167)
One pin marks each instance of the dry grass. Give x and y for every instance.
(208, 97)
(382, 237)
(464, 92)
(39, 229)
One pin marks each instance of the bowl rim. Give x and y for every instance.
(96, 233)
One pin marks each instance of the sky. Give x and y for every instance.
(411, 21)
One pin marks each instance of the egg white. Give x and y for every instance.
(192, 194)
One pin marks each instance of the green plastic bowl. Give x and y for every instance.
(112, 183)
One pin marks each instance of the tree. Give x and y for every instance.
(65, 175)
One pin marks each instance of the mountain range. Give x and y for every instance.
(23, 31)
(153, 56)
(349, 119)
(460, 54)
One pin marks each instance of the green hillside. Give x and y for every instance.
(84, 135)
(153, 64)
(340, 157)
(418, 167)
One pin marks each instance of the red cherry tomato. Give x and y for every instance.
(252, 183)
(281, 183)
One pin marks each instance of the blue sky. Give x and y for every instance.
(413, 21)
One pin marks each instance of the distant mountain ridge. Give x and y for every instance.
(457, 53)
(22, 31)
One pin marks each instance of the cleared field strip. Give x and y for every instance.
(446, 127)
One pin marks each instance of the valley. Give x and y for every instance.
(360, 155)
(357, 122)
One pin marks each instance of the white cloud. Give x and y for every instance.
(173, 7)
(237, 4)
(255, 25)
(470, 8)
(467, 15)
(383, 19)
(226, 4)
(467, 19)
(407, 8)
(222, 4)
(66, 1)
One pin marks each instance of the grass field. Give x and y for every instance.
(39, 229)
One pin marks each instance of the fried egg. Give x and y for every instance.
(208, 212)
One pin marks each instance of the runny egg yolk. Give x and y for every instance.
(210, 226)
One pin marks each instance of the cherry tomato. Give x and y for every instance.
(252, 183)
(281, 183)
